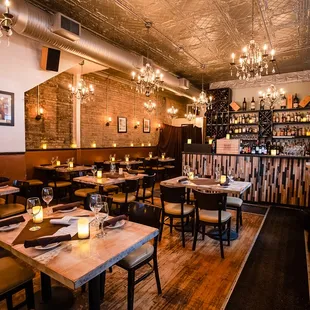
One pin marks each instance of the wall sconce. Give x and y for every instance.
(39, 113)
(94, 144)
(108, 121)
(137, 125)
(158, 127)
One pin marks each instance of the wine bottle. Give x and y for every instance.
(283, 102)
(295, 102)
(253, 104)
(244, 105)
(262, 104)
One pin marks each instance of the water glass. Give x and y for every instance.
(34, 207)
(47, 196)
(104, 215)
(112, 168)
(96, 204)
(94, 170)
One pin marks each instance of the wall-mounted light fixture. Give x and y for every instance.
(109, 120)
(158, 127)
(39, 109)
(137, 124)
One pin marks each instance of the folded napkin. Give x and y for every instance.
(68, 206)
(114, 220)
(66, 220)
(46, 240)
(14, 220)
(182, 180)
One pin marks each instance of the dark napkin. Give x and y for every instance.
(182, 180)
(68, 206)
(114, 220)
(46, 240)
(14, 220)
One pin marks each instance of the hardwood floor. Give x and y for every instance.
(190, 280)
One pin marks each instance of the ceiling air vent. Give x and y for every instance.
(66, 27)
(184, 83)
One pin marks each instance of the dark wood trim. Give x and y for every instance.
(87, 148)
(13, 153)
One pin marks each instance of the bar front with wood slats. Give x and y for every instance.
(275, 180)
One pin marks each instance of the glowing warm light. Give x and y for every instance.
(44, 146)
(38, 217)
(83, 228)
(189, 141)
(223, 179)
(99, 174)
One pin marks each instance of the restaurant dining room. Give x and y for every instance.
(155, 154)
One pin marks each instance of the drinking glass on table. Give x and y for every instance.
(34, 209)
(94, 170)
(47, 196)
(112, 168)
(231, 175)
(53, 161)
(104, 215)
(96, 204)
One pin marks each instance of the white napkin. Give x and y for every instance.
(66, 220)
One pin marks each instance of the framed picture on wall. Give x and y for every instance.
(6, 108)
(121, 124)
(146, 125)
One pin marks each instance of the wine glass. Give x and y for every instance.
(34, 207)
(96, 204)
(53, 161)
(94, 170)
(231, 175)
(104, 216)
(47, 196)
(112, 168)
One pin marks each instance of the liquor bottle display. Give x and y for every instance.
(295, 102)
(253, 105)
(244, 105)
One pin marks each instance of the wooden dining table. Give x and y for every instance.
(77, 262)
(64, 168)
(8, 190)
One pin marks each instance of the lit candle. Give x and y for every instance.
(38, 214)
(150, 155)
(58, 163)
(126, 159)
(162, 156)
(189, 141)
(83, 228)
(44, 146)
(113, 158)
(227, 136)
(94, 144)
(191, 175)
(73, 145)
(99, 174)
(149, 144)
(114, 144)
(233, 57)
(71, 164)
(210, 141)
(265, 48)
(273, 152)
(131, 144)
(142, 144)
(223, 179)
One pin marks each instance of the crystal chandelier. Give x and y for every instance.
(149, 80)
(81, 91)
(172, 112)
(203, 99)
(272, 95)
(150, 106)
(190, 116)
(253, 62)
(6, 22)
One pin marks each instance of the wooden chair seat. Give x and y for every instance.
(169, 167)
(121, 197)
(59, 184)
(82, 192)
(136, 171)
(10, 209)
(110, 188)
(148, 193)
(211, 216)
(158, 168)
(35, 182)
(175, 208)
(2, 201)
(13, 274)
(144, 168)
(136, 257)
(234, 202)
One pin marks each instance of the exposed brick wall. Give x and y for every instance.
(111, 99)
(55, 128)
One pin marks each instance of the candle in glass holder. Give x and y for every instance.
(83, 228)
(113, 158)
(127, 159)
(58, 163)
(142, 144)
(114, 144)
(273, 152)
(150, 155)
(38, 214)
(44, 146)
(99, 174)
(210, 141)
(189, 141)
(131, 144)
(227, 136)
(223, 179)
(162, 156)
(70, 164)
(191, 175)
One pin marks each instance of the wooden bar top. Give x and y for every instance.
(74, 263)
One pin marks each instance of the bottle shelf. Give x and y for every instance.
(244, 133)
(292, 110)
(244, 112)
(291, 137)
(247, 124)
(291, 123)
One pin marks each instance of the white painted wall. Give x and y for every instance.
(20, 71)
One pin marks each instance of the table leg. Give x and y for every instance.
(46, 287)
(94, 293)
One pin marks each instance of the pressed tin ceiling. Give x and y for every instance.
(189, 33)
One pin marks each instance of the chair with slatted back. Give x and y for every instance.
(14, 208)
(211, 211)
(147, 190)
(174, 206)
(129, 194)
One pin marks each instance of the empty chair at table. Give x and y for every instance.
(156, 167)
(211, 211)
(3, 182)
(174, 206)
(147, 190)
(60, 184)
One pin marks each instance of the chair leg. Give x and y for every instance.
(29, 295)
(203, 232)
(241, 216)
(238, 219)
(193, 225)
(157, 274)
(161, 225)
(171, 224)
(228, 231)
(83, 288)
(221, 241)
(183, 235)
(195, 235)
(9, 302)
(102, 285)
(130, 289)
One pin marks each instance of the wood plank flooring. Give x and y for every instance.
(190, 280)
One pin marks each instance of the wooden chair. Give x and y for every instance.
(105, 198)
(235, 203)
(3, 181)
(10, 209)
(156, 167)
(211, 211)
(147, 190)
(58, 184)
(174, 206)
(147, 215)
(14, 278)
(129, 194)
(82, 190)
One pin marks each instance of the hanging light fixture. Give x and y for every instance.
(272, 95)
(149, 80)
(6, 22)
(253, 62)
(172, 112)
(81, 91)
(203, 99)
(190, 116)
(150, 106)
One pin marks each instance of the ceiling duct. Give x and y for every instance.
(184, 83)
(35, 23)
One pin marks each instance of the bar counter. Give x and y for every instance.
(278, 180)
